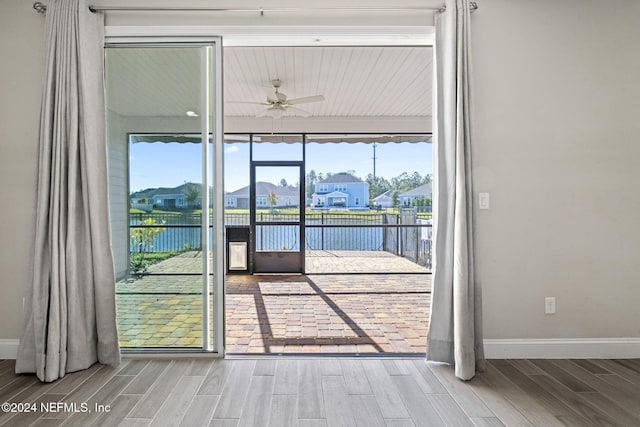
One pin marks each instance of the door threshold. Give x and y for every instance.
(325, 355)
(278, 274)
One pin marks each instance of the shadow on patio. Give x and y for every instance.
(328, 313)
(315, 313)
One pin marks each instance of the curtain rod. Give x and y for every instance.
(42, 8)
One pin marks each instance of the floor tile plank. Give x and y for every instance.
(425, 378)
(330, 367)
(71, 381)
(156, 396)
(449, 410)
(147, 376)
(177, 402)
(286, 381)
(487, 422)
(459, 390)
(384, 390)
(310, 403)
(47, 422)
(265, 367)
(498, 404)
(526, 367)
(355, 378)
(397, 367)
(619, 369)
(216, 378)
(134, 422)
(120, 408)
(520, 400)
(103, 397)
(200, 367)
(312, 423)
(200, 411)
(589, 366)
(283, 411)
(338, 405)
(257, 405)
(624, 394)
(366, 411)
(533, 389)
(420, 408)
(586, 409)
(234, 392)
(223, 423)
(399, 422)
(133, 367)
(562, 376)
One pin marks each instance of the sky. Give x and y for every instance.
(154, 165)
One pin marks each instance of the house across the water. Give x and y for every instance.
(418, 196)
(284, 196)
(385, 200)
(187, 195)
(341, 190)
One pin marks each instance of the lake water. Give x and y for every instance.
(183, 233)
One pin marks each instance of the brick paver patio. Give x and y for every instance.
(352, 313)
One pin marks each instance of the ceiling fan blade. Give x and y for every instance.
(247, 102)
(298, 112)
(305, 100)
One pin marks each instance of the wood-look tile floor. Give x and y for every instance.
(309, 392)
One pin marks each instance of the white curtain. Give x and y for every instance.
(70, 311)
(455, 328)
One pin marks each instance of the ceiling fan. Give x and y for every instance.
(279, 105)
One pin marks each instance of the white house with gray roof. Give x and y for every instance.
(385, 200)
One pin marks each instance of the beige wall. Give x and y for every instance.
(557, 106)
(558, 142)
(21, 65)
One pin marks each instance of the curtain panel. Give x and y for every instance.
(70, 320)
(455, 327)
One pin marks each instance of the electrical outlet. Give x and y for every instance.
(550, 305)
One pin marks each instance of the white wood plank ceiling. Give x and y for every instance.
(356, 81)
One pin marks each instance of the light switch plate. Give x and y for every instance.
(483, 201)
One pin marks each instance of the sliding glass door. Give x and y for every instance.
(165, 170)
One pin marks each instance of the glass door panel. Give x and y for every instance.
(277, 213)
(160, 103)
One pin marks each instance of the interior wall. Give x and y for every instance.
(21, 71)
(557, 106)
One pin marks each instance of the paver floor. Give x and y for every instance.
(317, 262)
(316, 313)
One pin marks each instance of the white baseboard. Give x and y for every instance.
(8, 349)
(563, 348)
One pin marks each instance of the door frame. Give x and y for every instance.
(283, 261)
(212, 132)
